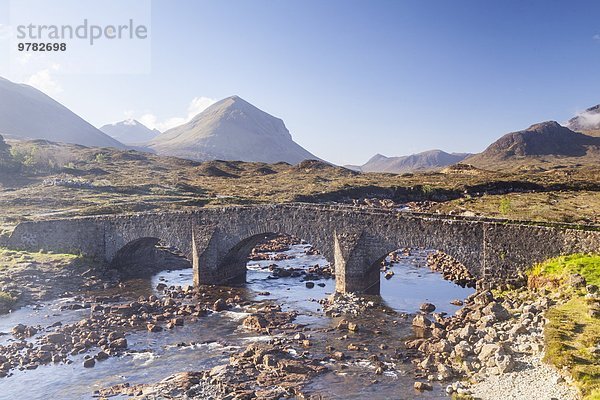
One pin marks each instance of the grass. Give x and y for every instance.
(558, 269)
(557, 206)
(10, 258)
(456, 396)
(571, 333)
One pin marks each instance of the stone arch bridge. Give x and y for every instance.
(353, 239)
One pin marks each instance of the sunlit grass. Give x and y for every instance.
(559, 268)
(572, 334)
(10, 258)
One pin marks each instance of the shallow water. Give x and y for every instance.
(154, 356)
(411, 286)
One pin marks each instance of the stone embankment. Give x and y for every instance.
(495, 343)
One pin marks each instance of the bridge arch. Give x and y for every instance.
(223, 258)
(357, 269)
(146, 256)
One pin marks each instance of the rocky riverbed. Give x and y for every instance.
(291, 334)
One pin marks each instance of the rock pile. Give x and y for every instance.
(276, 245)
(485, 337)
(450, 269)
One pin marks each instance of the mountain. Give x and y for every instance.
(27, 113)
(231, 129)
(587, 121)
(546, 142)
(130, 131)
(426, 160)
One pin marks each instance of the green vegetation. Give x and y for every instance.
(505, 206)
(558, 269)
(456, 396)
(7, 163)
(572, 334)
(10, 258)
(101, 158)
(37, 158)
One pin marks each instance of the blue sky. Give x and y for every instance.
(355, 78)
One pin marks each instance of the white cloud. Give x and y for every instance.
(196, 106)
(596, 37)
(44, 81)
(589, 119)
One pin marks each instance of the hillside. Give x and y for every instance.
(545, 145)
(27, 113)
(66, 180)
(232, 129)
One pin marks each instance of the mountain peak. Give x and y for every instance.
(427, 160)
(546, 126)
(130, 131)
(234, 100)
(232, 129)
(546, 139)
(377, 157)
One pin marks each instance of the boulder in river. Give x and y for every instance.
(219, 305)
(120, 343)
(421, 321)
(421, 386)
(89, 363)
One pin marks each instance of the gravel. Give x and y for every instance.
(532, 380)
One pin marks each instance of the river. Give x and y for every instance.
(209, 341)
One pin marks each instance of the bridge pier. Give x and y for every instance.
(213, 262)
(355, 261)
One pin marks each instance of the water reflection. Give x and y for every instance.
(412, 285)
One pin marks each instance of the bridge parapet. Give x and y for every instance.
(353, 239)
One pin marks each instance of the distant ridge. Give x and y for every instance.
(427, 160)
(27, 113)
(587, 121)
(130, 131)
(232, 129)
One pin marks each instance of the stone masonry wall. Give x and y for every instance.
(353, 239)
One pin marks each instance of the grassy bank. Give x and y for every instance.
(25, 275)
(572, 334)
(13, 258)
